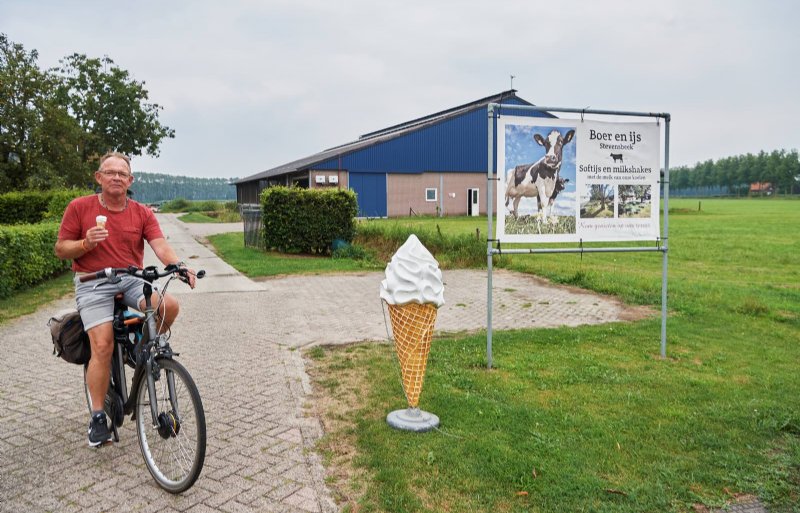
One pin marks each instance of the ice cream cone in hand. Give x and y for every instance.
(414, 291)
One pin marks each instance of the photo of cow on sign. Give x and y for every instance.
(539, 182)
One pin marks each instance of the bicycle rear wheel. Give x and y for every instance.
(175, 448)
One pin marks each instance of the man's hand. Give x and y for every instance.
(187, 275)
(95, 235)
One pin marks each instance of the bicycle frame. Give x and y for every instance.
(150, 345)
(173, 452)
(144, 366)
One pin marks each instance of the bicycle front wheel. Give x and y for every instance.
(174, 447)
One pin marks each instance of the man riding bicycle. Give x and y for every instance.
(117, 241)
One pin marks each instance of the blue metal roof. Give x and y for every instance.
(450, 140)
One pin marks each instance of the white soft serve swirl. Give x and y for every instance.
(413, 276)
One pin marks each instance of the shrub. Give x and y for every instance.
(352, 251)
(59, 199)
(227, 216)
(184, 205)
(451, 251)
(176, 205)
(205, 206)
(30, 207)
(229, 212)
(27, 256)
(307, 220)
(23, 207)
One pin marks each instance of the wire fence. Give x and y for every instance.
(253, 225)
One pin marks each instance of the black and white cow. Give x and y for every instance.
(541, 178)
(561, 184)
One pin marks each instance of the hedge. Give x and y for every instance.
(307, 220)
(59, 199)
(23, 207)
(30, 207)
(27, 256)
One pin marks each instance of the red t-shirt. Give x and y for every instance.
(127, 231)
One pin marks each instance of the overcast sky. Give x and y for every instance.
(252, 84)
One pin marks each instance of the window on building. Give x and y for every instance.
(430, 194)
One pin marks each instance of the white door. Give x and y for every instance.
(473, 206)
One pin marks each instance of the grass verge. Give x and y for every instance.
(199, 217)
(28, 301)
(222, 216)
(256, 263)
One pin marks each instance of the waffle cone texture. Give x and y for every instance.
(412, 327)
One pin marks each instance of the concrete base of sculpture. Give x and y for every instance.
(412, 419)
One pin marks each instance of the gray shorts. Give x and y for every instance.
(96, 305)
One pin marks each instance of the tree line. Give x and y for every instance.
(56, 123)
(158, 187)
(780, 168)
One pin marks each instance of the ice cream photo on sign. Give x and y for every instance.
(414, 291)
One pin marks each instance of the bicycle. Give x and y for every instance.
(165, 402)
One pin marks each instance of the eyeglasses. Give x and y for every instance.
(119, 174)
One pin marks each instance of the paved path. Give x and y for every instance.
(220, 277)
(239, 340)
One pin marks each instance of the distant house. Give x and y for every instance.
(761, 189)
(436, 163)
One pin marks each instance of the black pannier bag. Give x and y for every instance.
(70, 342)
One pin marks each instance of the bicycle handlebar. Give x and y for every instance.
(149, 274)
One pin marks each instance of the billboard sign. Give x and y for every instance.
(563, 180)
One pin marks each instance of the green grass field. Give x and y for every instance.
(589, 418)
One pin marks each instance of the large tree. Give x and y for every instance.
(110, 106)
(37, 137)
(602, 193)
(54, 124)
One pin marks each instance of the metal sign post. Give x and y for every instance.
(489, 249)
(664, 235)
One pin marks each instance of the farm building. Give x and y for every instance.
(761, 188)
(436, 163)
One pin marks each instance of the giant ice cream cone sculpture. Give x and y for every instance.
(414, 291)
(412, 325)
